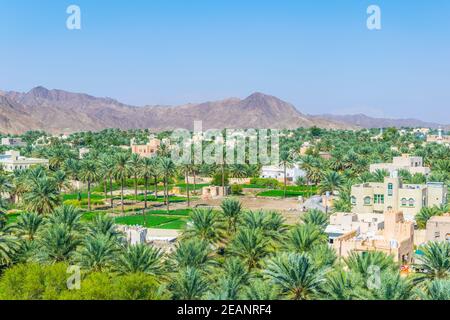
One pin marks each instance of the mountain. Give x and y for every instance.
(58, 111)
(364, 121)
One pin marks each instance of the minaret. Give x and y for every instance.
(440, 133)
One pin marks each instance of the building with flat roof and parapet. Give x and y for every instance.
(394, 236)
(440, 138)
(392, 194)
(438, 228)
(277, 172)
(13, 142)
(406, 162)
(146, 150)
(12, 160)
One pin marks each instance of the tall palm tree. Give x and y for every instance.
(107, 167)
(331, 182)
(135, 165)
(42, 196)
(122, 172)
(72, 168)
(297, 276)
(187, 169)
(231, 210)
(139, 259)
(147, 170)
(90, 174)
(286, 160)
(168, 169)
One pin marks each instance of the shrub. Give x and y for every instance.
(265, 182)
(73, 203)
(236, 189)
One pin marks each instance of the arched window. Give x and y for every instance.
(353, 199)
(411, 202)
(404, 202)
(367, 200)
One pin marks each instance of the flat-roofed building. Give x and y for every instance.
(392, 194)
(395, 236)
(277, 172)
(12, 160)
(13, 142)
(438, 229)
(146, 150)
(405, 162)
(440, 138)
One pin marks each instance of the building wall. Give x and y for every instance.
(438, 229)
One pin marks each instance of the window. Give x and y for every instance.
(367, 201)
(378, 199)
(353, 199)
(390, 189)
(411, 202)
(404, 202)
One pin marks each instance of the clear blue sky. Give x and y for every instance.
(316, 54)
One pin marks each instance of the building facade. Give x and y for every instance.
(146, 150)
(392, 194)
(438, 229)
(12, 160)
(13, 142)
(405, 162)
(395, 237)
(277, 172)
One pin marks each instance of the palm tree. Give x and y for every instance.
(8, 247)
(122, 172)
(107, 167)
(135, 166)
(89, 173)
(297, 276)
(341, 285)
(435, 261)
(187, 168)
(286, 160)
(250, 245)
(27, 225)
(204, 224)
(147, 169)
(102, 224)
(57, 244)
(231, 210)
(191, 253)
(426, 214)
(72, 168)
(96, 253)
(60, 178)
(304, 238)
(316, 217)
(42, 197)
(363, 263)
(392, 286)
(168, 170)
(331, 182)
(68, 216)
(436, 290)
(260, 290)
(379, 175)
(139, 259)
(189, 284)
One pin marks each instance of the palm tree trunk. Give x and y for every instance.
(121, 194)
(146, 191)
(195, 182)
(285, 181)
(89, 194)
(167, 193)
(223, 179)
(187, 190)
(111, 192)
(135, 187)
(156, 188)
(105, 190)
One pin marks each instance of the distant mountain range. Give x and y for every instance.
(58, 111)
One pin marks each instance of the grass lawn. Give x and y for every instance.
(160, 219)
(280, 193)
(84, 196)
(152, 198)
(253, 186)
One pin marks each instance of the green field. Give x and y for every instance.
(280, 193)
(160, 219)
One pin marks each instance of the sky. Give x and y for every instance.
(316, 54)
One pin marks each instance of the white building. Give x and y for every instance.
(405, 162)
(277, 172)
(11, 161)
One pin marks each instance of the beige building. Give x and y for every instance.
(440, 138)
(146, 150)
(11, 161)
(405, 162)
(214, 192)
(393, 236)
(438, 229)
(392, 194)
(13, 142)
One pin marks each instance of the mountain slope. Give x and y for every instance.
(61, 111)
